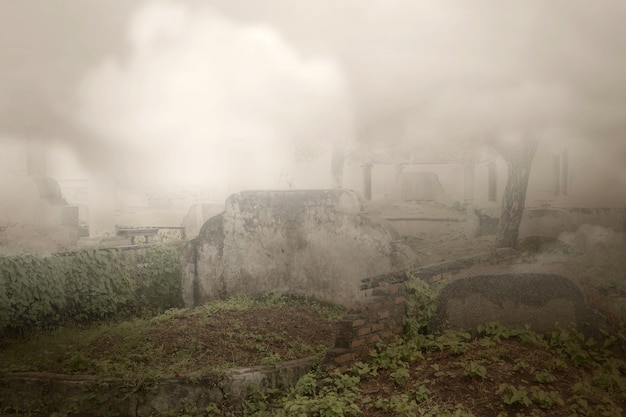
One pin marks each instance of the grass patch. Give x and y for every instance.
(236, 332)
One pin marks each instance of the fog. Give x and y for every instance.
(240, 92)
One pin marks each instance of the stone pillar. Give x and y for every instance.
(468, 193)
(492, 181)
(102, 205)
(398, 182)
(367, 181)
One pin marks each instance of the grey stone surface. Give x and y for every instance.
(540, 300)
(197, 215)
(547, 222)
(34, 216)
(315, 243)
(88, 395)
(423, 186)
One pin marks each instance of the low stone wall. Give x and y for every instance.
(85, 395)
(377, 319)
(380, 314)
(315, 243)
(613, 218)
(545, 222)
(579, 226)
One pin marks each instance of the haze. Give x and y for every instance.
(244, 94)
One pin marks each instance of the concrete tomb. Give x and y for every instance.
(315, 243)
(423, 186)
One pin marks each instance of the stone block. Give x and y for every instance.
(316, 243)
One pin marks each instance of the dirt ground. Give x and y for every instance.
(267, 335)
(251, 337)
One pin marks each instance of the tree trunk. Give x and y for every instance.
(513, 204)
(519, 159)
(336, 164)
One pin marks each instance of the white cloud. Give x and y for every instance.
(201, 96)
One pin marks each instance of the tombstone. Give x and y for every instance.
(422, 186)
(541, 300)
(315, 243)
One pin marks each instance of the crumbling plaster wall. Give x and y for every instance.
(34, 216)
(316, 243)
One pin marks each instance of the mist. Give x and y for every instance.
(203, 99)
(228, 92)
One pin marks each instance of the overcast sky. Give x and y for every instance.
(264, 77)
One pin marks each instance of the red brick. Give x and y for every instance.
(389, 302)
(358, 323)
(373, 339)
(346, 357)
(378, 327)
(357, 343)
(364, 331)
(363, 353)
(392, 289)
(355, 310)
(397, 314)
(400, 300)
(386, 335)
(373, 317)
(378, 292)
(374, 306)
(383, 314)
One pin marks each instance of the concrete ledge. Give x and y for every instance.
(88, 395)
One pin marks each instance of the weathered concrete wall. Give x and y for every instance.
(89, 395)
(197, 215)
(34, 216)
(309, 242)
(585, 228)
(540, 300)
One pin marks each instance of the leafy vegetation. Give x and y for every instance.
(39, 292)
(496, 371)
(455, 374)
(181, 342)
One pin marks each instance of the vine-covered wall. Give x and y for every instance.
(41, 291)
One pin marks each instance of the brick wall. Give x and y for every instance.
(378, 318)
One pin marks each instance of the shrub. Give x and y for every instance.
(39, 291)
